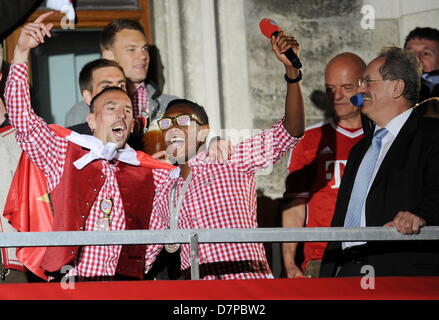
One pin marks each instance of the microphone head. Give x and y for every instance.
(268, 27)
(357, 100)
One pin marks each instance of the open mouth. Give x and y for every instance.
(175, 147)
(140, 66)
(366, 97)
(175, 143)
(119, 131)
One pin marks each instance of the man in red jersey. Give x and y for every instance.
(316, 165)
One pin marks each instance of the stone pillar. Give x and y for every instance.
(204, 51)
(167, 37)
(234, 82)
(200, 56)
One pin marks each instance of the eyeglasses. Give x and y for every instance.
(183, 120)
(366, 81)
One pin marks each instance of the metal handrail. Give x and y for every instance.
(196, 236)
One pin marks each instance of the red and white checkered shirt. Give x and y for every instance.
(48, 151)
(221, 196)
(140, 100)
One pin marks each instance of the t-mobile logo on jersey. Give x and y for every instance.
(336, 172)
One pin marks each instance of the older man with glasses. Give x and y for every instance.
(391, 178)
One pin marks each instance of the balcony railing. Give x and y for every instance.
(196, 236)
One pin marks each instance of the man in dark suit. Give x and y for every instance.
(391, 178)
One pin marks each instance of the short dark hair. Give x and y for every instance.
(86, 74)
(422, 33)
(195, 107)
(92, 102)
(109, 32)
(400, 64)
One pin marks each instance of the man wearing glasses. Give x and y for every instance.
(203, 195)
(391, 178)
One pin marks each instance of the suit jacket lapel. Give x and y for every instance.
(398, 149)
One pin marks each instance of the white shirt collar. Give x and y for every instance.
(175, 173)
(395, 125)
(98, 150)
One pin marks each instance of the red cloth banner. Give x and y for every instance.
(28, 210)
(385, 288)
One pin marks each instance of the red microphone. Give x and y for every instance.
(270, 28)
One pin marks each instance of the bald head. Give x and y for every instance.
(346, 61)
(341, 78)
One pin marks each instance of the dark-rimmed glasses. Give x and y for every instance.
(182, 120)
(366, 81)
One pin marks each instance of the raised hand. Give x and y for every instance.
(31, 35)
(281, 43)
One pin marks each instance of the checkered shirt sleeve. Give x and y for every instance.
(221, 196)
(259, 151)
(46, 149)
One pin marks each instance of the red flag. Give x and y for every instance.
(145, 160)
(27, 208)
